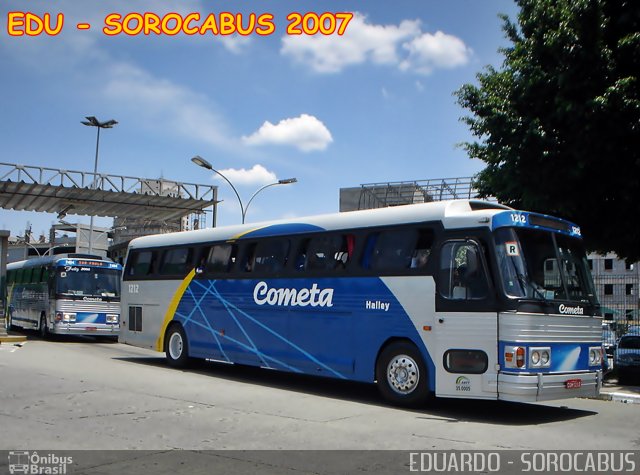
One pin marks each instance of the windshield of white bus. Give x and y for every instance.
(87, 281)
(542, 265)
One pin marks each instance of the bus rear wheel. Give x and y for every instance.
(43, 330)
(176, 347)
(402, 375)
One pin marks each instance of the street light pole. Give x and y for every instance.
(93, 122)
(24, 241)
(201, 162)
(286, 181)
(38, 250)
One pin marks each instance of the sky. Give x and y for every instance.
(375, 104)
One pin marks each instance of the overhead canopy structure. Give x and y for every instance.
(29, 188)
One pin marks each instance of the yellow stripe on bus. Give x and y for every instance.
(171, 310)
(244, 233)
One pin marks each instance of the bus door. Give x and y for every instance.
(466, 323)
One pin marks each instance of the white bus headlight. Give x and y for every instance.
(540, 357)
(65, 317)
(595, 356)
(112, 318)
(545, 357)
(535, 358)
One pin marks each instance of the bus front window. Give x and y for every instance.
(88, 282)
(541, 265)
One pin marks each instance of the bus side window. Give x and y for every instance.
(301, 256)
(141, 263)
(397, 249)
(176, 261)
(248, 257)
(393, 249)
(462, 275)
(221, 258)
(36, 273)
(328, 252)
(422, 251)
(271, 256)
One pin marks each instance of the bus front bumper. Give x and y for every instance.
(544, 387)
(82, 329)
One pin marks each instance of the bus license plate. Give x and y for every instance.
(91, 329)
(573, 383)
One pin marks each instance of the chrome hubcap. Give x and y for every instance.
(175, 346)
(403, 374)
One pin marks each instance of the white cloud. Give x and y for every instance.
(257, 175)
(428, 52)
(404, 46)
(163, 104)
(361, 42)
(235, 44)
(306, 133)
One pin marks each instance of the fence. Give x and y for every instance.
(619, 299)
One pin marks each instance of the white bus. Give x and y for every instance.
(71, 294)
(456, 299)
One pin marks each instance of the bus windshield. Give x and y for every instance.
(542, 265)
(88, 281)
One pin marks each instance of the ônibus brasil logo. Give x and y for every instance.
(24, 461)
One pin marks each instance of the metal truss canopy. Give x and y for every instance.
(379, 195)
(29, 188)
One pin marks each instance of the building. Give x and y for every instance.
(617, 283)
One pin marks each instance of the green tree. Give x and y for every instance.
(558, 125)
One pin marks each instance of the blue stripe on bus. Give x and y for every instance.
(280, 229)
(223, 322)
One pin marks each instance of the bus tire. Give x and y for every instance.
(402, 375)
(43, 330)
(176, 346)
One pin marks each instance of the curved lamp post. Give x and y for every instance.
(201, 162)
(93, 122)
(22, 241)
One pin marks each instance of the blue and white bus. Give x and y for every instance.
(71, 294)
(457, 298)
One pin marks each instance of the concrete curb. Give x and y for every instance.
(623, 397)
(620, 396)
(12, 338)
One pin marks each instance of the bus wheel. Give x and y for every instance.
(402, 375)
(177, 347)
(43, 330)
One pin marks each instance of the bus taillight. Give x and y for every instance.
(520, 353)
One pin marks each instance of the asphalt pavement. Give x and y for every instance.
(611, 389)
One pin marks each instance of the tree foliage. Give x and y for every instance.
(558, 125)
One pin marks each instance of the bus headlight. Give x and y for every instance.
(595, 356)
(545, 358)
(65, 317)
(540, 357)
(113, 318)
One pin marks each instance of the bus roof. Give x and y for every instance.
(60, 259)
(452, 214)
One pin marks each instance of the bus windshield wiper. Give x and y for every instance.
(527, 283)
